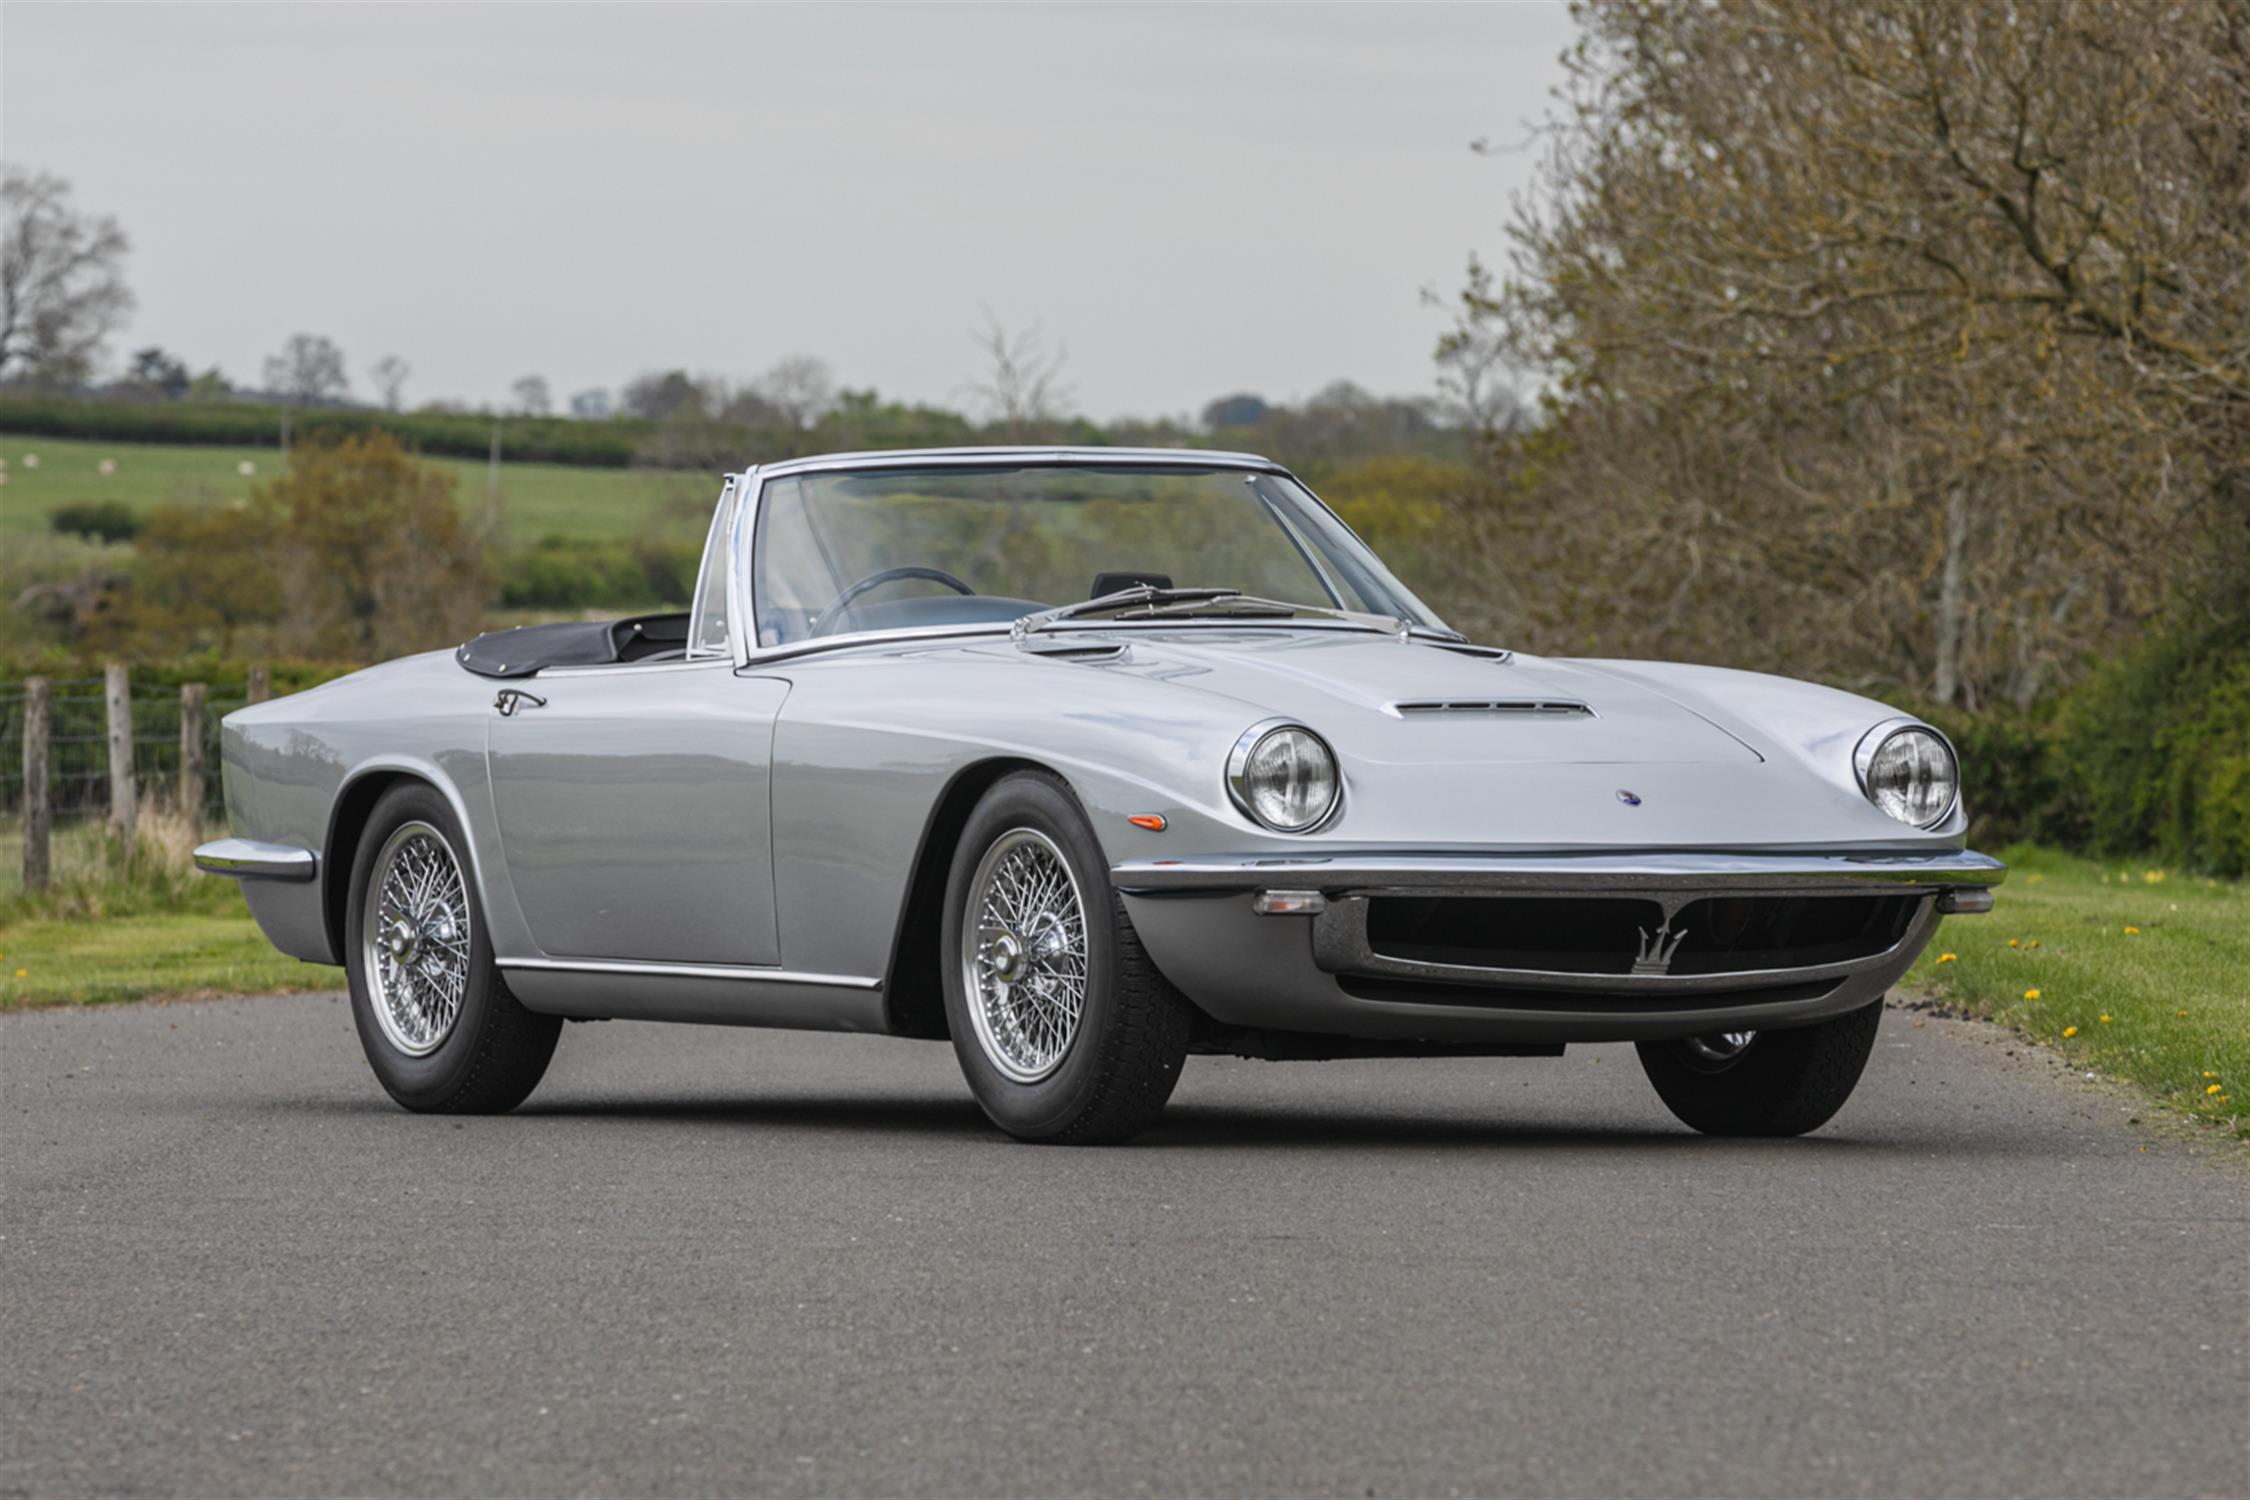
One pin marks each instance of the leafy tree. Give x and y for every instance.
(308, 371)
(62, 280)
(591, 405)
(1242, 410)
(532, 397)
(154, 370)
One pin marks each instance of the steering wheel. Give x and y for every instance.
(827, 619)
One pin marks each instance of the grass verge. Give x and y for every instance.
(2140, 973)
(117, 926)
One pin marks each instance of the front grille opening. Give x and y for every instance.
(1607, 934)
(1725, 934)
(1397, 991)
(1556, 935)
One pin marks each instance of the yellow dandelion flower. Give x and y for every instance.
(2131, 930)
(2070, 1031)
(2209, 1074)
(2014, 944)
(2154, 877)
(2183, 1015)
(2105, 1018)
(2031, 945)
(1946, 958)
(2213, 1089)
(2031, 994)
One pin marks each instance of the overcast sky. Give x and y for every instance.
(1194, 200)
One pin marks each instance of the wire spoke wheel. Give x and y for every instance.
(416, 939)
(1023, 958)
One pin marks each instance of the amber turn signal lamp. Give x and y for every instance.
(1153, 822)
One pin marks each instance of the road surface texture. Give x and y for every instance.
(712, 1261)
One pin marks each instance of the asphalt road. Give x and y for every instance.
(705, 1261)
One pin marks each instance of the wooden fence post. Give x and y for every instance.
(261, 685)
(124, 796)
(36, 817)
(191, 752)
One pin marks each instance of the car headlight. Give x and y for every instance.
(1283, 776)
(1908, 770)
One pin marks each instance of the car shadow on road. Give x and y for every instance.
(1183, 1127)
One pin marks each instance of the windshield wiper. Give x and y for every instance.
(1147, 601)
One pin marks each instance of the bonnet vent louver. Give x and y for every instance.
(1511, 707)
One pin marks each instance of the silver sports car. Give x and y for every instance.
(1090, 760)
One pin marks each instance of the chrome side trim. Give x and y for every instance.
(1694, 871)
(745, 972)
(248, 859)
(1340, 946)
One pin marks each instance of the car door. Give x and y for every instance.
(634, 808)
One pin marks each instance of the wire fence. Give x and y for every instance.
(78, 744)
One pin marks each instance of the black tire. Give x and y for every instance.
(1782, 1083)
(496, 1051)
(1133, 1026)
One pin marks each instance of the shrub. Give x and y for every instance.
(571, 573)
(96, 520)
(2155, 748)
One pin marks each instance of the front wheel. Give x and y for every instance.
(438, 1024)
(1065, 1030)
(1763, 1082)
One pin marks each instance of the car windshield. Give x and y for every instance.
(846, 551)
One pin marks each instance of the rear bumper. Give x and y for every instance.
(1318, 972)
(248, 859)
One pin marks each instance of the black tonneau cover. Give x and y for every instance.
(574, 643)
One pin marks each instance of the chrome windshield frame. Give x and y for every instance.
(754, 479)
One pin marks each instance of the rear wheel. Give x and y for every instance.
(1763, 1082)
(435, 1019)
(1064, 1029)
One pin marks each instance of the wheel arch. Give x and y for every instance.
(347, 822)
(913, 988)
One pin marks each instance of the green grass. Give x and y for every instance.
(106, 929)
(536, 500)
(2140, 973)
(71, 961)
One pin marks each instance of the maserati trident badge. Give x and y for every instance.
(1656, 954)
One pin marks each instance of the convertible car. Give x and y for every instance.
(1088, 761)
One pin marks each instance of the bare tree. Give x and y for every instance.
(532, 397)
(308, 370)
(1906, 342)
(62, 282)
(390, 375)
(800, 389)
(1022, 390)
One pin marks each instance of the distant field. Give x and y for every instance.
(536, 500)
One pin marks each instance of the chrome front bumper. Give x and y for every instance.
(1698, 872)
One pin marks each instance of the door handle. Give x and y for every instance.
(511, 699)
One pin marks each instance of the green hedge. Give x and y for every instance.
(556, 440)
(2151, 754)
(568, 573)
